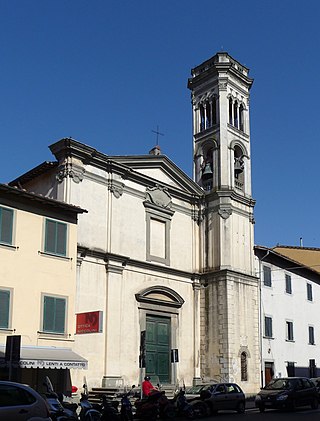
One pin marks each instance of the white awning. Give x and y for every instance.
(48, 357)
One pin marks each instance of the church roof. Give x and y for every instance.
(145, 169)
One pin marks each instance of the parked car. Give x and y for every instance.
(287, 393)
(222, 396)
(195, 392)
(316, 381)
(19, 402)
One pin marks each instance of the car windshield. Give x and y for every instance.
(195, 389)
(280, 384)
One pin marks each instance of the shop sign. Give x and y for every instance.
(90, 322)
(52, 364)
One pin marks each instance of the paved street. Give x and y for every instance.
(271, 415)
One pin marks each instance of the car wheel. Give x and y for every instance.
(262, 408)
(200, 409)
(189, 414)
(92, 417)
(314, 404)
(241, 408)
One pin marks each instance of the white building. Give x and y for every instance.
(165, 256)
(289, 311)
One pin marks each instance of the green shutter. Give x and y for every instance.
(60, 312)
(61, 238)
(6, 225)
(48, 314)
(4, 309)
(54, 310)
(55, 238)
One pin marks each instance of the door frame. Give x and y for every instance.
(143, 313)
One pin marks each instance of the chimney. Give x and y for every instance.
(155, 151)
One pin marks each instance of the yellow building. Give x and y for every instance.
(38, 261)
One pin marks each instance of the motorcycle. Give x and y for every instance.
(155, 404)
(148, 408)
(87, 411)
(56, 406)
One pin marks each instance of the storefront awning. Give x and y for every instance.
(48, 357)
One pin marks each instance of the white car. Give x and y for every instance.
(19, 402)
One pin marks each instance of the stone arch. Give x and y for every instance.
(160, 295)
(237, 143)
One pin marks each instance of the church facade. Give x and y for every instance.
(166, 262)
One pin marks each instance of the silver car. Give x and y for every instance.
(19, 402)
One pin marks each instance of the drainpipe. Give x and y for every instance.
(260, 315)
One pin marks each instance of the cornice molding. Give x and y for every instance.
(127, 261)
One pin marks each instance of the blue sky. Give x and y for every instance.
(108, 72)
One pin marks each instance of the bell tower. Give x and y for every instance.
(220, 90)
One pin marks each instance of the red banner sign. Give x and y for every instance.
(89, 322)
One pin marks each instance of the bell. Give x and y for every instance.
(207, 172)
(238, 165)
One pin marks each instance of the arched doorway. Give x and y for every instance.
(159, 311)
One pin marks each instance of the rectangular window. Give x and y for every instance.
(289, 333)
(6, 225)
(4, 308)
(309, 292)
(311, 335)
(291, 371)
(267, 276)
(268, 327)
(288, 284)
(312, 368)
(54, 314)
(55, 237)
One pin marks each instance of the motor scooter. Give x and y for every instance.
(109, 409)
(183, 407)
(57, 411)
(126, 413)
(87, 411)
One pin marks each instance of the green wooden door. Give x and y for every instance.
(158, 348)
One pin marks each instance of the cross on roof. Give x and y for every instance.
(157, 133)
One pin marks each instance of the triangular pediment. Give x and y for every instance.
(161, 169)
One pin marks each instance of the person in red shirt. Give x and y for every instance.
(147, 386)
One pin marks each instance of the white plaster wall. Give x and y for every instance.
(117, 354)
(279, 305)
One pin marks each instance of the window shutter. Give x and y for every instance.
(48, 314)
(6, 224)
(60, 315)
(61, 238)
(56, 237)
(4, 309)
(54, 310)
(50, 236)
